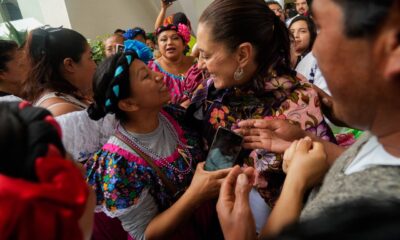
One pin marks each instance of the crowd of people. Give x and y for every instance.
(116, 150)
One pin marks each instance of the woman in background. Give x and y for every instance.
(61, 70)
(304, 32)
(13, 70)
(180, 71)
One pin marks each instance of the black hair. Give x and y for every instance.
(311, 28)
(25, 136)
(7, 48)
(234, 22)
(180, 17)
(356, 220)
(47, 48)
(364, 18)
(119, 31)
(132, 33)
(271, 2)
(104, 82)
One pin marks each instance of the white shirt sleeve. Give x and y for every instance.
(136, 218)
(83, 136)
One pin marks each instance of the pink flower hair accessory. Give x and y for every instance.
(184, 32)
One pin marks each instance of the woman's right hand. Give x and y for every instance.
(205, 185)
(165, 4)
(273, 135)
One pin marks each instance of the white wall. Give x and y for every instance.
(31, 8)
(52, 12)
(192, 9)
(100, 17)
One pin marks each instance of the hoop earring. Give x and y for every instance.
(238, 75)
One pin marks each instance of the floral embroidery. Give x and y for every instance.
(118, 176)
(217, 118)
(285, 98)
(181, 86)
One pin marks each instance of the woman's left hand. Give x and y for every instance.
(272, 135)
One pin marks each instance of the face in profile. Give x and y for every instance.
(85, 70)
(16, 71)
(214, 57)
(302, 36)
(346, 65)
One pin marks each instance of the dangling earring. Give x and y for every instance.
(238, 75)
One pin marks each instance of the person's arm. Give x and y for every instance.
(233, 205)
(306, 165)
(161, 15)
(277, 135)
(205, 185)
(86, 221)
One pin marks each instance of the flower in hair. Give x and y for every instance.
(184, 32)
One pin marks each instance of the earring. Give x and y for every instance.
(238, 75)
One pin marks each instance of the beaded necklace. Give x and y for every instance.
(152, 154)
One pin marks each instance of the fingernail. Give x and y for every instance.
(307, 138)
(242, 180)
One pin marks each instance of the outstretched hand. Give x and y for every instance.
(233, 205)
(272, 135)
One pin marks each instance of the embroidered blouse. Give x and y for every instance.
(123, 182)
(181, 86)
(282, 98)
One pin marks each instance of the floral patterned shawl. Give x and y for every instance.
(283, 97)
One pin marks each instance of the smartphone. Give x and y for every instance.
(224, 150)
(119, 48)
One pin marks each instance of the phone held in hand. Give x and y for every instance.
(119, 48)
(224, 150)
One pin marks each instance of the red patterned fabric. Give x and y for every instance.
(48, 209)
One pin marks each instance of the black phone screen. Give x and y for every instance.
(224, 150)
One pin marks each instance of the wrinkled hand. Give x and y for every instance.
(272, 135)
(233, 206)
(306, 162)
(205, 185)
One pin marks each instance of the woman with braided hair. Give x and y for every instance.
(42, 194)
(145, 166)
